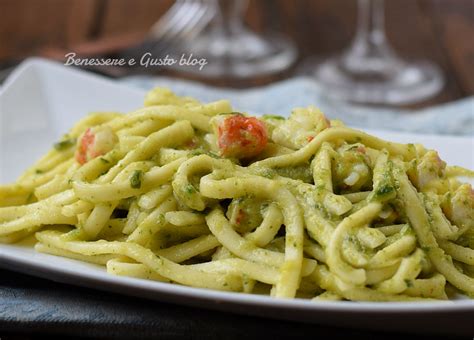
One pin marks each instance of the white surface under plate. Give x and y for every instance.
(41, 100)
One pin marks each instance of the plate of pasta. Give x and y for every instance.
(300, 217)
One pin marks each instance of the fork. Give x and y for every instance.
(183, 21)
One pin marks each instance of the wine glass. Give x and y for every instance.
(231, 49)
(370, 71)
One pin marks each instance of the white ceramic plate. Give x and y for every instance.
(41, 100)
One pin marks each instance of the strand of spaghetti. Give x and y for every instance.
(331, 134)
(36, 180)
(18, 235)
(56, 185)
(184, 190)
(173, 271)
(387, 255)
(13, 195)
(76, 208)
(138, 270)
(352, 254)
(98, 218)
(189, 231)
(269, 227)
(322, 176)
(184, 251)
(408, 270)
(442, 228)
(93, 119)
(319, 228)
(15, 212)
(144, 128)
(378, 275)
(457, 252)
(41, 217)
(433, 287)
(331, 283)
(47, 248)
(152, 223)
(256, 271)
(334, 257)
(97, 193)
(371, 237)
(321, 168)
(253, 270)
(392, 229)
(132, 217)
(154, 197)
(46, 168)
(212, 108)
(184, 218)
(418, 217)
(98, 166)
(355, 197)
(367, 294)
(454, 171)
(24, 217)
(315, 250)
(164, 112)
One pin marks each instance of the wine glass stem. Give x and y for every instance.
(229, 16)
(370, 40)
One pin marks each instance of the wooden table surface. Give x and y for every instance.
(437, 30)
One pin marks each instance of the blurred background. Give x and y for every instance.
(440, 31)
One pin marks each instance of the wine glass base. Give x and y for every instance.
(243, 56)
(406, 83)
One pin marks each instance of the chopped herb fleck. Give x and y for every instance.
(408, 283)
(190, 189)
(273, 117)
(39, 171)
(104, 160)
(65, 144)
(136, 179)
(384, 190)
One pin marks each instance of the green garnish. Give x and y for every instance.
(273, 117)
(384, 190)
(65, 144)
(136, 179)
(39, 171)
(104, 160)
(190, 189)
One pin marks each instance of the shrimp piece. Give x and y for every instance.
(240, 136)
(300, 128)
(95, 142)
(428, 172)
(459, 207)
